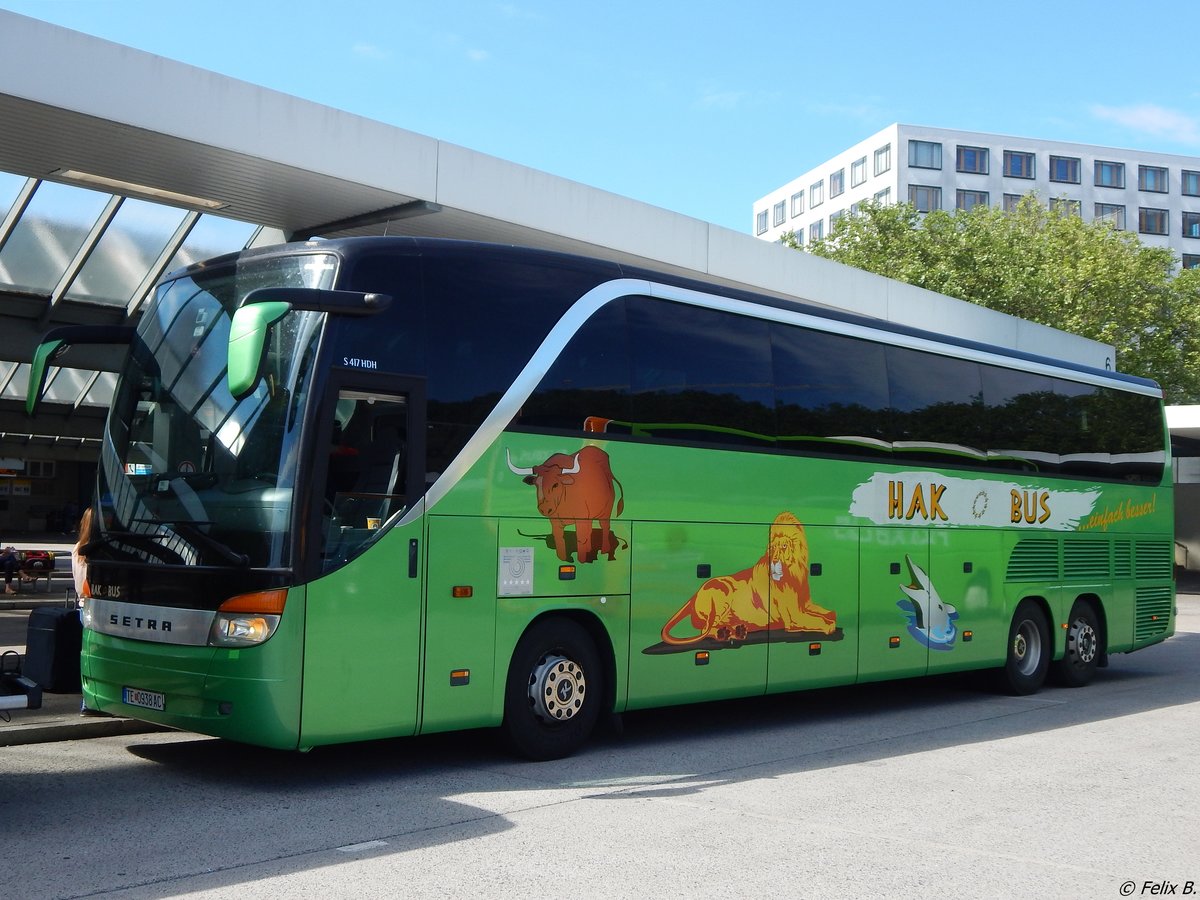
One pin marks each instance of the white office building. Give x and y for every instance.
(1156, 195)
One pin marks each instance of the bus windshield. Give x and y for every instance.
(188, 475)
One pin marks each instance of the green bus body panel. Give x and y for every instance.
(887, 648)
(967, 568)
(691, 662)
(800, 658)
(362, 646)
(460, 631)
(260, 685)
(890, 572)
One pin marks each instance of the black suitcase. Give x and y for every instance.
(52, 645)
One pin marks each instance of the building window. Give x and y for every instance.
(1110, 174)
(760, 222)
(816, 230)
(1065, 206)
(837, 183)
(884, 197)
(972, 159)
(924, 155)
(1153, 179)
(1191, 225)
(780, 213)
(968, 200)
(834, 218)
(1064, 169)
(883, 159)
(39, 468)
(1011, 202)
(1191, 260)
(1152, 221)
(816, 195)
(1111, 213)
(1190, 183)
(858, 172)
(797, 203)
(1018, 164)
(925, 199)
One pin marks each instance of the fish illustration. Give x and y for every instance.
(931, 619)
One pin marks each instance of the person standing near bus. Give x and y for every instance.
(10, 562)
(78, 560)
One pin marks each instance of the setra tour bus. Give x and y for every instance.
(371, 487)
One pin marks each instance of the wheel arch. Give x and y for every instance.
(595, 629)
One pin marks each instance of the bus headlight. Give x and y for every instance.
(247, 619)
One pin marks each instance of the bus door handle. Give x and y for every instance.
(412, 558)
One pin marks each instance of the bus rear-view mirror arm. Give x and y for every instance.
(56, 342)
(253, 320)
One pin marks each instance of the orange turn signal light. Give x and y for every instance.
(268, 603)
(462, 590)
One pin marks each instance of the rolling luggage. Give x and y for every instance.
(52, 645)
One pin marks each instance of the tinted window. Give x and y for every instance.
(468, 324)
(935, 400)
(829, 386)
(700, 374)
(587, 387)
(1025, 418)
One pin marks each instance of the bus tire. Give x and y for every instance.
(554, 690)
(1085, 647)
(1028, 657)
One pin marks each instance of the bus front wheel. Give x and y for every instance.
(554, 690)
(1084, 647)
(1028, 656)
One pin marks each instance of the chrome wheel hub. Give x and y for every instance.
(556, 689)
(1082, 641)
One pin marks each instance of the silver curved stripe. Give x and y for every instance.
(539, 364)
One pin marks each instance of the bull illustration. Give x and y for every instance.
(576, 490)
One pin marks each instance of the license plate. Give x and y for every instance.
(144, 699)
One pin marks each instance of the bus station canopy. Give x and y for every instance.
(117, 166)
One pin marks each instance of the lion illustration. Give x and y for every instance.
(773, 593)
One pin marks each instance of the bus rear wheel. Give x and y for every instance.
(1028, 657)
(1084, 649)
(554, 690)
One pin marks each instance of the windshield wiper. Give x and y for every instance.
(189, 531)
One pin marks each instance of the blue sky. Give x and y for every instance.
(699, 107)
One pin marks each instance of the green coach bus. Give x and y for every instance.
(373, 487)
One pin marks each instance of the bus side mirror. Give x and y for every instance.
(253, 320)
(56, 342)
(248, 344)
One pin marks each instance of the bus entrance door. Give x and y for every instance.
(363, 614)
(894, 603)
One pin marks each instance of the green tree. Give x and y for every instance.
(1043, 265)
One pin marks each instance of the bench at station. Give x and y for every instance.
(40, 567)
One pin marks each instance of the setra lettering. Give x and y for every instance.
(139, 622)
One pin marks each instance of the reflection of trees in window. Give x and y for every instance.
(673, 372)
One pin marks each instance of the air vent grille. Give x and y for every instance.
(1085, 560)
(1153, 612)
(1033, 560)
